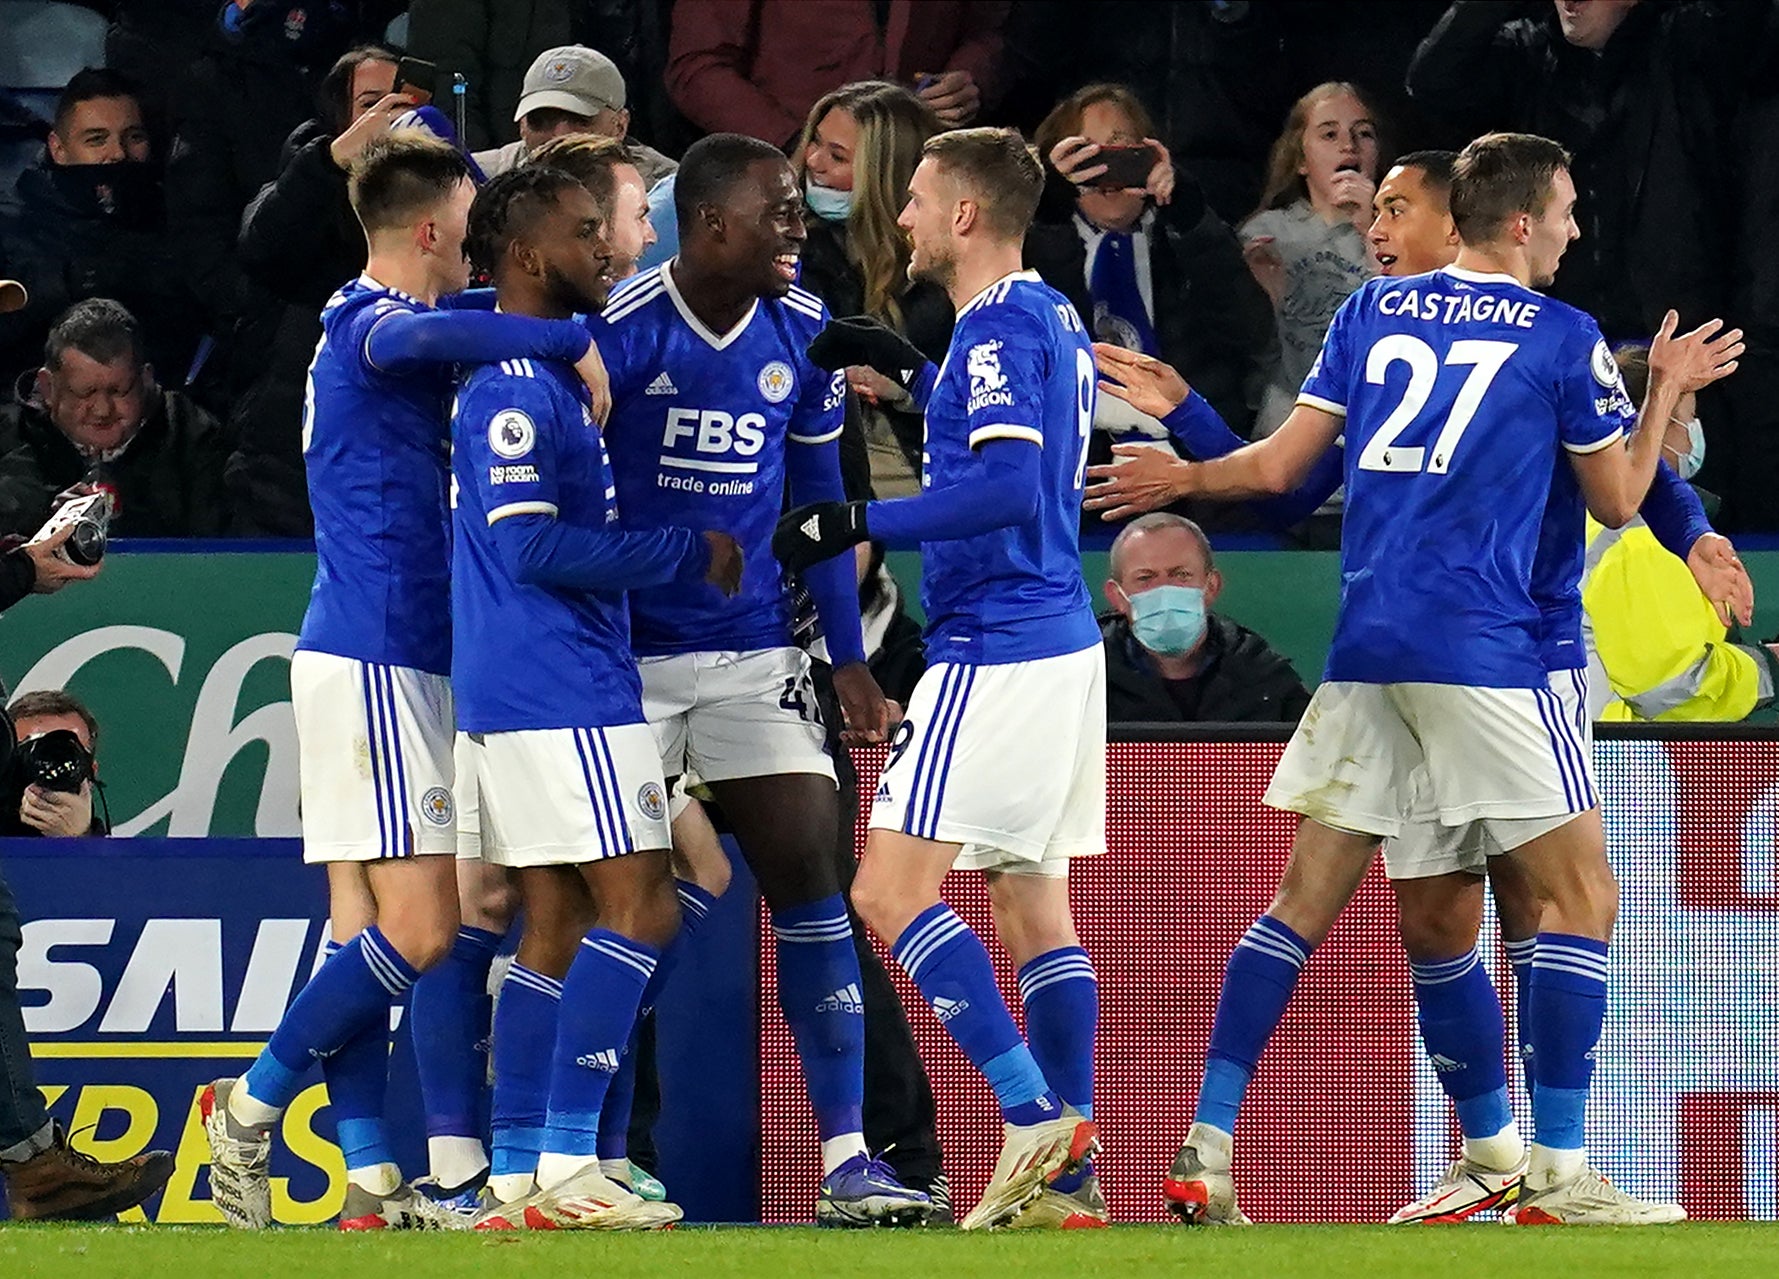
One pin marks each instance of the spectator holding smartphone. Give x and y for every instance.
(1165, 274)
(1306, 242)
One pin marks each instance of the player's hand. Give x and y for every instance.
(370, 126)
(1266, 265)
(592, 372)
(57, 813)
(1145, 479)
(1149, 385)
(724, 572)
(816, 532)
(1722, 579)
(53, 571)
(874, 388)
(864, 710)
(864, 340)
(1694, 360)
(953, 95)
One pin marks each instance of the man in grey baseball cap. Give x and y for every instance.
(572, 89)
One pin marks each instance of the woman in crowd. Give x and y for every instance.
(1164, 273)
(857, 151)
(1306, 242)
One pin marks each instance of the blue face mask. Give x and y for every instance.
(827, 203)
(1168, 619)
(1688, 466)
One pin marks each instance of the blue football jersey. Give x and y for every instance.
(1020, 366)
(698, 431)
(375, 448)
(526, 657)
(1460, 390)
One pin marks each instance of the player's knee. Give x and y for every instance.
(878, 898)
(423, 943)
(1428, 937)
(651, 916)
(492, 905)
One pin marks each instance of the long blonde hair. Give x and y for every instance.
(893, 125)
(1285, 186)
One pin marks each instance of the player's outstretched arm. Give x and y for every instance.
(1615, 480)
(540, 550)
(1006, 493)
(1155, 387)
(403, 341)
(862, 340)
(1146, 479)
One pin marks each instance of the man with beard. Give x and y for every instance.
(1000, 765)
(570, 782)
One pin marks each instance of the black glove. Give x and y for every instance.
(810, 534)
(860, 339)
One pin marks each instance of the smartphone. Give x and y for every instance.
(1125, 166)
(416, 77)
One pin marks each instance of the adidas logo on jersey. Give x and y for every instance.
(847, 999)
(1444, 1064)
(945, 1009)
(605, 1059)
(662, 385)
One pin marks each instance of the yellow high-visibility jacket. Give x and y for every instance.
(1657, 640)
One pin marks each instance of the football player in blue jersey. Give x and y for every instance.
(1000, 764)
(716, 406)
(369, 680)
(1436, 872)
(570, 782)
(1445, 697)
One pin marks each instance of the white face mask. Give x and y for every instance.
(1687, 465)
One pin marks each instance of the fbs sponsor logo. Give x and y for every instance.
(945, 1009)
(847, 999)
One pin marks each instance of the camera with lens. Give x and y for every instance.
(89, 516)
(54, 760)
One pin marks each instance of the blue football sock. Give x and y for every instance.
(1062, 1007)
(448, 1018)
(600, 997)
(1519, 954)
(357, 1079)
(524, 1043)
(349, 993)
(823, 1004)
(1257, 985)
(1568, 1003)
(620, 1098)
(950, 966)
(1462, 1029)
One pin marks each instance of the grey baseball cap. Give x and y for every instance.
(575, 79)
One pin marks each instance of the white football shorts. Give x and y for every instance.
(735, 714)
(1426, 848)
(373, 759)
(1008, 761)
(1375, 758)
(569, 796)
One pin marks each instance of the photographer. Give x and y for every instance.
(46, 1179)
(54, 763)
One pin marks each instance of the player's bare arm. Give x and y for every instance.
(1614, 481)
(1145, 478)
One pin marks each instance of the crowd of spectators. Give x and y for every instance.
(193, 176)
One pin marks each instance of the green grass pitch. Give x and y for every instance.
(1300, 1252)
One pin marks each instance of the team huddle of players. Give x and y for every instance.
(583, 592)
